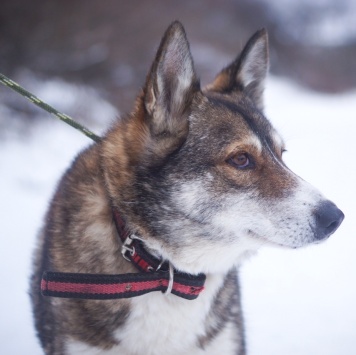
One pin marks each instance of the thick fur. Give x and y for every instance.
(198, 175)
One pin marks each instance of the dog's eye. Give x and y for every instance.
(240, 161)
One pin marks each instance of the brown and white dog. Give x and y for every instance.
(195, 176)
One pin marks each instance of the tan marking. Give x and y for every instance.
(254, 142)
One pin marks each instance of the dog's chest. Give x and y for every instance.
(167, 324)
(160, 324)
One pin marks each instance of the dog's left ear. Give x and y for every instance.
(248, 72)
(170, 85)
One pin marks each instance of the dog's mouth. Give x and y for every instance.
(264, 241)
(322, 222)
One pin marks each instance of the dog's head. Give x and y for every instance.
(199, 174)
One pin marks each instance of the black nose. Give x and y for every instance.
(328, 219)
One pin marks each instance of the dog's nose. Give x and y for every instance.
(328, 219)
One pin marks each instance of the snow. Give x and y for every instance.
(295, 301)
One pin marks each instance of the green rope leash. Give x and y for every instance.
(65, 118)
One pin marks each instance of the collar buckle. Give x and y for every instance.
(128, 248)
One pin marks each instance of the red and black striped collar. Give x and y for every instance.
(153, 275)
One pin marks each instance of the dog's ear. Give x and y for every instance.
(170, 85)
(248, 72)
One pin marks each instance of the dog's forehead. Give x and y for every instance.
(226, 119)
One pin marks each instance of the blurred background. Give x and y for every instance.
(89, 58)
(110, 45)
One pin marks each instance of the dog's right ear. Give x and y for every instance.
(170, 87)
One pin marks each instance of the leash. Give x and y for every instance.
(38, 102)
(153, 275)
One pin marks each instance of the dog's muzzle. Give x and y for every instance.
(327, 219)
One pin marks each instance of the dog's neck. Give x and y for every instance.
(146, 260)
(135, 249)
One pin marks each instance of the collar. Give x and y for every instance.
(153, 275)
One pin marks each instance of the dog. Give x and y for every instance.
(141, 243)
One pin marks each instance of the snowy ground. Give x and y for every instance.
(295, 302)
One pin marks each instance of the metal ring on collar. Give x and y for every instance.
(170, 282)
(160, 265)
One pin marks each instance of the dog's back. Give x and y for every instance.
(198, 178)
